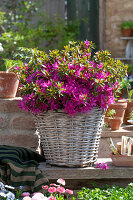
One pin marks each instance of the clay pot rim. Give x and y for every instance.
(130, 103)
(8, 74)
(116, 118)
(119, 105)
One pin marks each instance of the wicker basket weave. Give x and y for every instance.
(70, 141)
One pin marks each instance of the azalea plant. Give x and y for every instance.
(51, 192)
(71, 79)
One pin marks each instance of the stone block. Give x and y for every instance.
(28, 140)
(10, 105)
(3, 120)
(55, 172)
(22, 122)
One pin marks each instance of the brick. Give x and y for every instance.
(115, 14)
(23, 122)
(27, 140)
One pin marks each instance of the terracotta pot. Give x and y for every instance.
(119, 108)
(127, 113)
(115, 123)
(122, 160)
(8, 84)
(119, 147)
(126, 32)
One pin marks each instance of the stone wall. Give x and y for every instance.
(16, 126)
(116, 12)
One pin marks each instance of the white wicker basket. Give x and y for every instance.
(70, 141)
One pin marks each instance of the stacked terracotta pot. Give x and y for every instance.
(117, 120)
(8, 84)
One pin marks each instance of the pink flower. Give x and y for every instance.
(103, 166)
(61, 189)
(51, 198)
(39, 196)
(98, 165)
(45, 187)
(69, 191)
(27, 198)
(61, 181)
(87, 43)
(25, 194)
(52, 189)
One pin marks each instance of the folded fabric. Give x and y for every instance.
(19, 167)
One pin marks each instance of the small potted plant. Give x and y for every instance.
(126, 28)
(131, 118)
(121, 105)
(129, 108)
(114, 121)
(8, 80)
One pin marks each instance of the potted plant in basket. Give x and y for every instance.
(67, 91)
(9, 80)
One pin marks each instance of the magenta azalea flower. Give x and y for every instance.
(103, 166)
(70, 80)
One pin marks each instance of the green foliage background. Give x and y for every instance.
(24, 24)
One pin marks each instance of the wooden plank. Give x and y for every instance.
(71, 10)
(102, 23)
(94, 22)
(54, 8)
(83, 16)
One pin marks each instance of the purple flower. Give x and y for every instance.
(105, 166)
(67, 80)
(98, 165)
(102, 166)
(87, 43)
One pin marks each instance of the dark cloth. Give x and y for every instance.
(19, 167)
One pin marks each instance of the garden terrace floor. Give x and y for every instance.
(79, 177)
